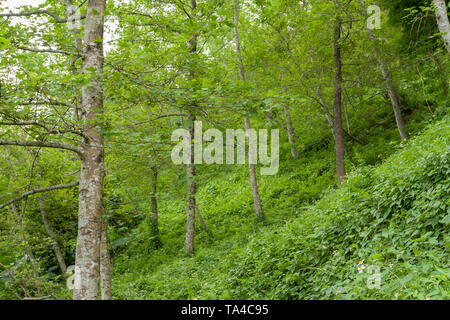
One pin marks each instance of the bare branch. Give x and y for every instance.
(48, 50)
(35, 191)
(49, 103)
(41, 144)
(38, 12)
(39, 124)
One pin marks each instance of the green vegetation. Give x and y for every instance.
(394, 215)
(359, 207)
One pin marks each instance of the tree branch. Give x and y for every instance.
(42, 125)
(38, 12)
(41, 144)
(34, 191)
(47, 103)
(48, 50)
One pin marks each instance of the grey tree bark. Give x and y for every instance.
(291, 131)
(90, 204)
(252, 166)
(191, 170)
(71, 14)
(105, 263)
(443, 22)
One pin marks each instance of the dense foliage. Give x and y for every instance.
(319, 239)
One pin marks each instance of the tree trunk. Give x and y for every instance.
(156, 240)
(443, 22)
(290, 130)
(87, 261)
(393, 95)
(253, 180)
(52, 235)
(202, 223)
(154, 216)
(269, 119)
(252, 166)
(444, 77)
(28, 250)
(191, 170)
(192, 189)
(338, 131)
(74, 28)
(105, 263)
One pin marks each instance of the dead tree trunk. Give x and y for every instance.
(48, 228)
(90, 206)
(252, 165)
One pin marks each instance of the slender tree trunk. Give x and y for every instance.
(105, 263)
(156, 240)
(191, 170)
(252, 166)
(90, 207)
(393, 95)
(443, 22)
(338, 131)
(52, 235)
(192, 189)
(28, 249)
(74, 28)
(269, 119)
(154, 216)
(444, 77)
(203, 224)
(291, 131)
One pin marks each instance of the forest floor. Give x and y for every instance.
(362, 240)
(382, 235)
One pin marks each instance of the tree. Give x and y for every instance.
(392, 91)
(338, 131)
(87, 265)
(252, 162)
(442, 21)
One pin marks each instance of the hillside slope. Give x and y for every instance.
(391, 219)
